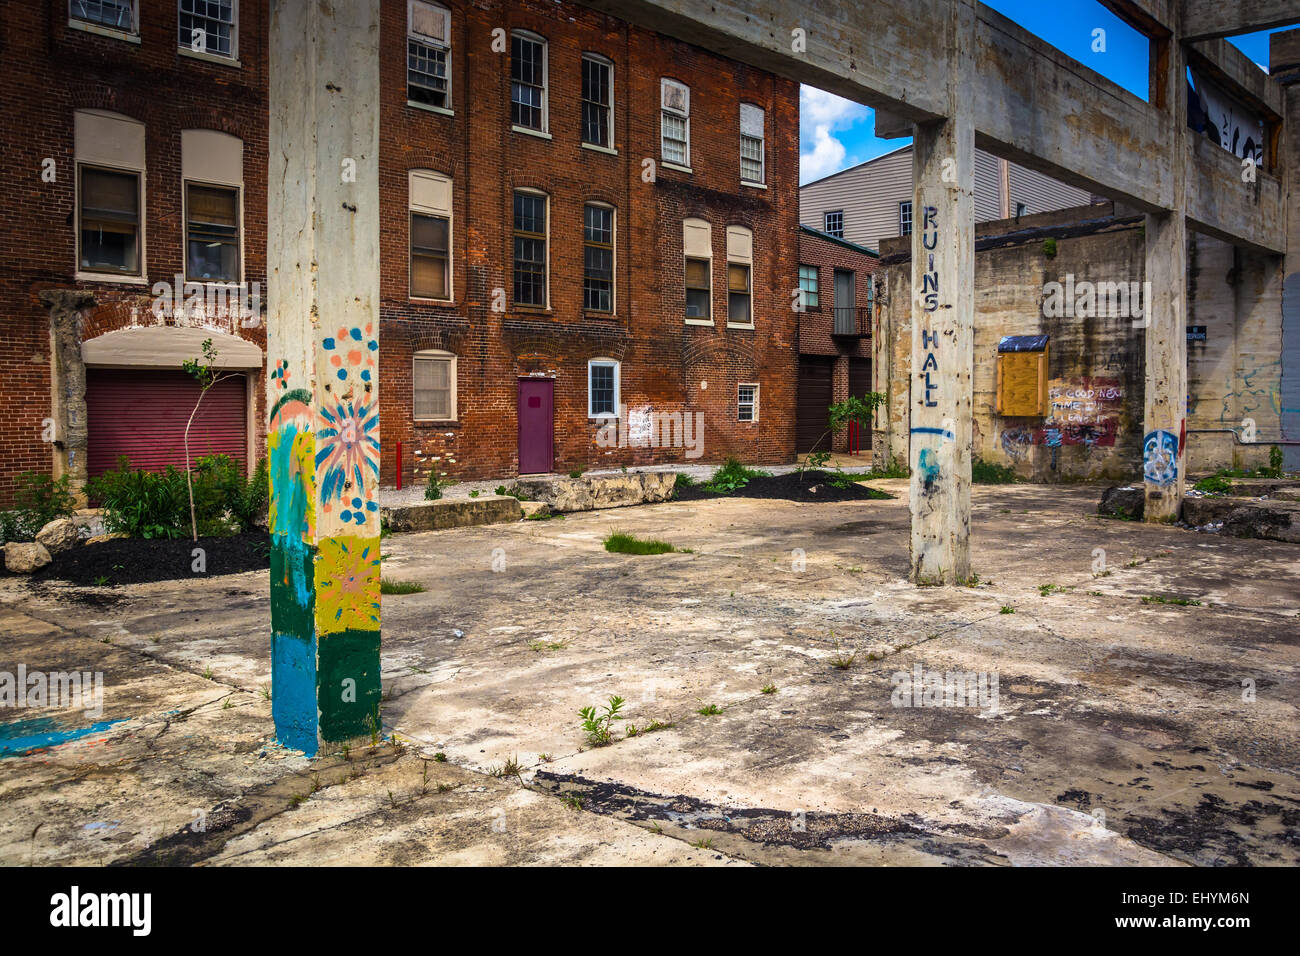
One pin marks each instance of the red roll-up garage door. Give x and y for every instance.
(142, 414)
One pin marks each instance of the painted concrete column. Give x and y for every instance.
(943, 311)
(323, 371)
(1164, 430)
(68, 386)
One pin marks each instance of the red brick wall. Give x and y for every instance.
(52, 70)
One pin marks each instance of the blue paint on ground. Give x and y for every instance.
(293, 692)
(40, 733)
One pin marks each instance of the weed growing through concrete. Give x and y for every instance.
(768, 689)
(207, 672)
(597, 724)
(621, 543)
(540, 646)
(1007, 609)
(1045, 589)
(841, 661)
(1178, 601)
(709, 710)
(391, 586)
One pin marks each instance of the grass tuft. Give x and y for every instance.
(620, 542)
(391, 586)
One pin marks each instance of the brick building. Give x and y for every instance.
(580, 219)
(836, 278)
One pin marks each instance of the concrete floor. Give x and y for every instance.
(1121, 734)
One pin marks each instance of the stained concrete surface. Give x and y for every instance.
(1123, 733)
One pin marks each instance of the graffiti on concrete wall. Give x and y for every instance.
(1083, 411)
(1160, 457)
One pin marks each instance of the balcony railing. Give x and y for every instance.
(851, 321)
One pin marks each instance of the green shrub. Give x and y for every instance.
(39, 500)
(433, 490)
(732, 476)
(576, 473)
(1214, 485)
(988, 473)
(1275, 462)
(148, 504)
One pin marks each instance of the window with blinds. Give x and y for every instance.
(434, 387)
(430, 257)
(110, 221)
(697, 289)
(211, 233)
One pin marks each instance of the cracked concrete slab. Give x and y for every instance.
(1128, 729)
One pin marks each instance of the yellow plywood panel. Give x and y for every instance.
(1022, 383)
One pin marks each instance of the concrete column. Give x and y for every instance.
(323, 371)
(1164, 442)
(943, 311)
(68, 386)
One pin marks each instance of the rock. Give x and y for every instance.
(1126, 502)
(533, 509)
(605, 491)
(25, 557)
(101, 538)
(59, 535)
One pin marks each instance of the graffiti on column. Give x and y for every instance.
(928, 460)
(1160, 457)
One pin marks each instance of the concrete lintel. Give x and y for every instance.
(1239, 75)
(1149, 17)
(1221, 203)
(1208, 19)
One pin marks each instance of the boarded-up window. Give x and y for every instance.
(1022, 375)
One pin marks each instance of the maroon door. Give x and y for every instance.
(536, 425)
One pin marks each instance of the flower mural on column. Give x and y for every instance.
(347, 457)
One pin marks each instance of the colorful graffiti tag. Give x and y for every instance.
(1160, 458)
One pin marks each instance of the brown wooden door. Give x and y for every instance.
(815, 381)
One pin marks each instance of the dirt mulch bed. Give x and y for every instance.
(137, 560)
(810, 486)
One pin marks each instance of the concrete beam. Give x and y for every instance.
(322, 362)
(1150, 17)
(943, 314)
(1238, 75)
(1237, 204)
(1208, 19)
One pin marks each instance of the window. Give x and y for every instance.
(598, 258)
(428, 55)
(905, 218)
(528, 81)
(740, 263)
(211, 233)
(114, 14)
(109, 221)
(212, 176)
(751, 144)
(530, 249)
(1021, 209)
(434, 386)
(110, 181)
(208, 26)
(597, 101)
(602, 388)
(430, 210)
(747, 403)
(808, 287)
(833, 223)
(697, 242)
(675, 144)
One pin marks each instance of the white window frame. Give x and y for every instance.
(230, 59)
(436, 212)
(185, 229)
(665, 83)
(545, 130)
(816, 290)
(618, 386)
(905, 206)
(439, 355)
(132, 35)
(609, 131)
(826, 222)
(761, 138)
(430, 41)
(753, 405)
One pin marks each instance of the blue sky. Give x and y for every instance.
(836, 133)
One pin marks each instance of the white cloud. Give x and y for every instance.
(821, 114)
